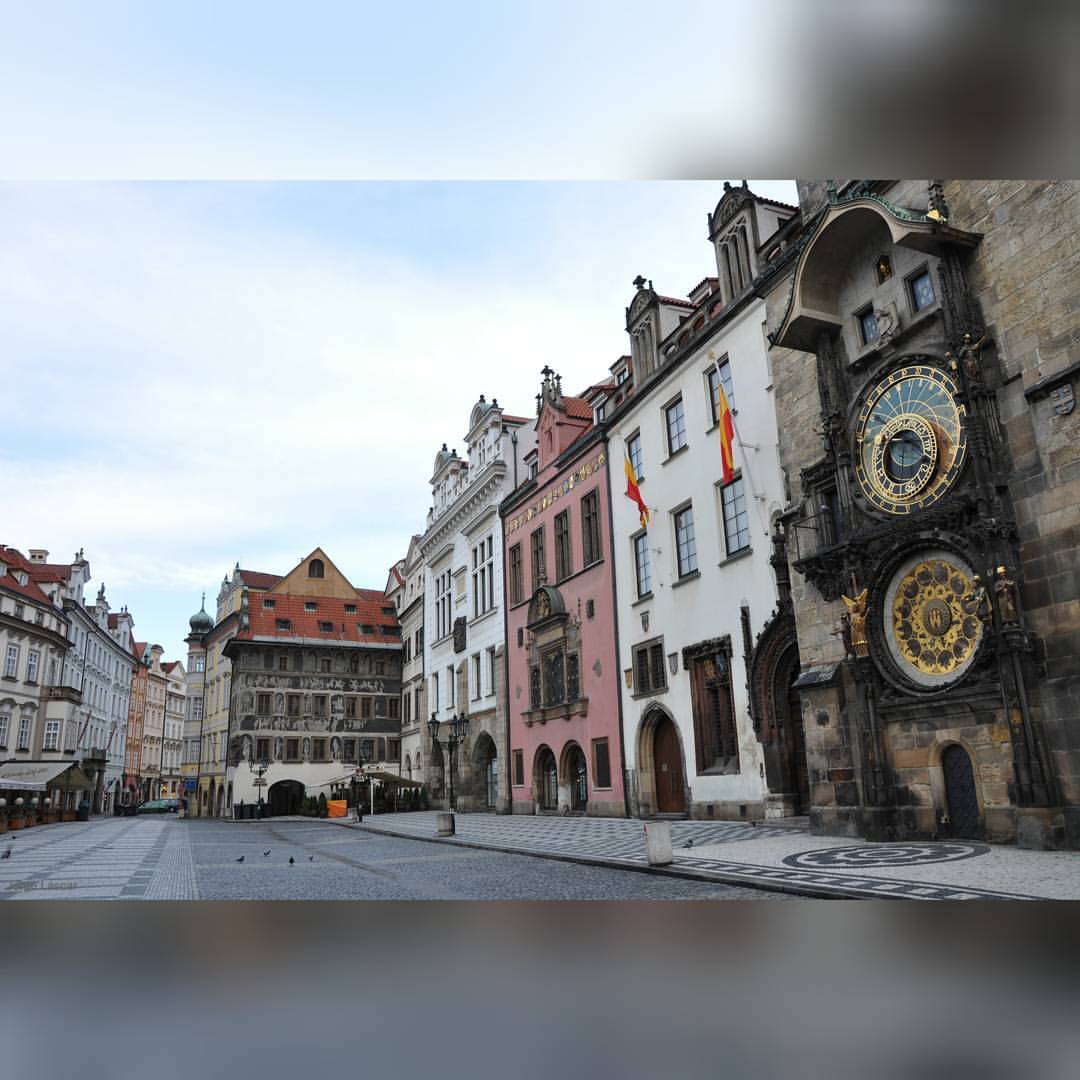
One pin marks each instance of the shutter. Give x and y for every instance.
(642, 675)
(659, 679)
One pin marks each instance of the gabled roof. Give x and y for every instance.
(255, 579)
(674, 300)
(577, 408)
(345, 627)
(32, 590)
(169, 665)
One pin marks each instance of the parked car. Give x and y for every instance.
(159, 806)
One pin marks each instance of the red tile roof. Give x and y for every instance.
(673, 300)
(169, 665)
(254, 579)
(577, 408)
(138, 648)
(15, 560)
(263, 621)
(508, 419)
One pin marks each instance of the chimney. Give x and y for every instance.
(39, 555)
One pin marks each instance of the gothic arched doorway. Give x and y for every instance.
(670, 784)
(546, 777)
(961, 798)
(286, 797)
(577, 777)
(778, 720)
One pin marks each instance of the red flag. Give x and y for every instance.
(727, 433)
(634, 494)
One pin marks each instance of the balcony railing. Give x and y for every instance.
(815, 533)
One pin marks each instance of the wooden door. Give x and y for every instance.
(667, 763)
(960, 794)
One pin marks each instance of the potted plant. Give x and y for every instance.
(48, 812)
(18, 818)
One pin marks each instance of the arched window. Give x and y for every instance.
(316, 568)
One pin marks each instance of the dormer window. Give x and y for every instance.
(284, 624)
(268, 604)
(350, 609)
(309, 605)
(316, 569)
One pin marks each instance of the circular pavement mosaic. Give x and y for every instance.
(872, 856)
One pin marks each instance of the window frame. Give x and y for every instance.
(860, 315)
(592, 537)
(714, 378)
(631, 444)
(676, 515)
(723, 489)
(596, 771)
(909, 288)
(538, 557)
(676, 402)
(651, 648)
(563, 557)
(635, 540)
(517, 578)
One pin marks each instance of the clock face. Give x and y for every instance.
(932, 625)
(910, 439)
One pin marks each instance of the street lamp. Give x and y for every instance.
(456, 727)
(260, 770)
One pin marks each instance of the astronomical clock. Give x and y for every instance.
(910, 439)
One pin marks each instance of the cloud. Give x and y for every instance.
(200, 373)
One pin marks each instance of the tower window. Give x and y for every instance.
(868, 328)
(922, 290)
(316, 568)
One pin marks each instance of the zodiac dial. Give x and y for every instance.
(932, 626)
(910, 439)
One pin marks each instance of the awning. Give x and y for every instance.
(39, 775)
(390, 778)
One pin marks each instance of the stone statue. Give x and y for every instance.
(335, 749)
(1005, 590)
(844, 633)
(856, 610)
(245, 748)
(978, 602)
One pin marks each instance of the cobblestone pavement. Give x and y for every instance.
(166, 858)
(780, 856)
(102, 859)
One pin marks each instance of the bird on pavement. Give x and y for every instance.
(689, 843)
(241, 859)
(267, 852)
(7, 854)
(311, 858)
(292, 861)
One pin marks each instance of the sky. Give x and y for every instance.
(208, 373)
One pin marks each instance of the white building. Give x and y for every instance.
(405, 590)
(173, 735)
(81, 687)
(461, 552)
(696, 587)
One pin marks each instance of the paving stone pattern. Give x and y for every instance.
(780, 855)
(103, 859)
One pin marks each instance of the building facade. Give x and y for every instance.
(405, 590)
(565, 734)
(212, 797)
(153, 728)
(921, 337)
(200, 624)
(81, 688)
(171, 779)
(695, 584)
(464, 631)
(316, 688)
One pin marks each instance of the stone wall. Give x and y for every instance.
(1026, 277)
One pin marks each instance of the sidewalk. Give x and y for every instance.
(770, 856)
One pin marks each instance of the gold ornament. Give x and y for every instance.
(910, 439)
(934, 622)
(856, 610)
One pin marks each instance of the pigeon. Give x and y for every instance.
(267, 852)
(292, 861)
(7, 854)
(311, 858)
(241, 859)
(689, 843)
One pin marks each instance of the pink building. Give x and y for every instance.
(562, 656)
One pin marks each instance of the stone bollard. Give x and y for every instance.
(445, 825)
(658, 842)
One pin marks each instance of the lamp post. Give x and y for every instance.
(260, 771)
(456, 728)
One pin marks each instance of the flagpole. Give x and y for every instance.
(757, 496)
